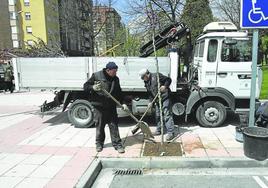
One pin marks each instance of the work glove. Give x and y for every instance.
(163, 89)
(124, 107)
(150, 104)
(97, 86)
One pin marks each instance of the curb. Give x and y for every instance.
(99, 164)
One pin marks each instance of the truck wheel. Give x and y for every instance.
(211, 114)
(81, 114)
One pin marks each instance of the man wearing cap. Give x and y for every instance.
(105, 107)
(151, 85)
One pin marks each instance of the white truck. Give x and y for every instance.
(218, 77)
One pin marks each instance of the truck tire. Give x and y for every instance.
(211, 114)
(81, 114)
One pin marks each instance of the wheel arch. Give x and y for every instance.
(210, 94)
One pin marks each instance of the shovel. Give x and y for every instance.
(136, 127)
(140, 124)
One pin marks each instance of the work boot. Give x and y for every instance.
(170, 136)
(120, 149)
(99, 147)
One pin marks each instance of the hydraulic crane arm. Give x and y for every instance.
(172, 33)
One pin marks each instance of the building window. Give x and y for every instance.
(29, 29)
(15, 44)
(30, 42)
(12, 15)
(14, 29)
(27, 16)
(11, 2)
(26, 2)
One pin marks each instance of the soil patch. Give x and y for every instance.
(167, 149)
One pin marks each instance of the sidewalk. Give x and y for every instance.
(49, 152)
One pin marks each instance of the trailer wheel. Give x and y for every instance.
(81, 114)
(211, 114)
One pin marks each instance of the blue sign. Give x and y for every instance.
(254, 14)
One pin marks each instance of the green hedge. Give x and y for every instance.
(264, 89)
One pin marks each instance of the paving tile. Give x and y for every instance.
(91, 142)
(108, 152)
(67, 151)
(71, 172)
(9, 182)
(3, 155)
(211, 144)
(231, 144)
(130, 153)
(195, 153)
(8, 121)
(235, 152)
(64, 183)
(47, 150)
(217, 153)
(45, 171)
(47, 136)
(57, 160)
(5, 167)
(80, 160)
(28, 149)
(33, 182)
(14, 158)
(79, 139)
(36, 159)
(21, 170)
(64, 137)
(35, 136)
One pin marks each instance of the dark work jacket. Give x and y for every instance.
(111, 84)
(151, 86)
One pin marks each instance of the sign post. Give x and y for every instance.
(254, 15)
(253, 76)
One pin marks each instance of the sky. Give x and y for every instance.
(121, 7)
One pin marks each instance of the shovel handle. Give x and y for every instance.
(136, 128)
(119, 104)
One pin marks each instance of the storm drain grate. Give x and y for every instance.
(128, 172)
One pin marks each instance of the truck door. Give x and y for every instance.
(198, 58)
(234, 67)
(210, 61)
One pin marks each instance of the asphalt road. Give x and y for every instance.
(189, 178)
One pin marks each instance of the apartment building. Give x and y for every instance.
(8, 25)
(38, 19)
(76, 28)
(106, 22)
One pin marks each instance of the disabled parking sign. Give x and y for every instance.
(254, 14)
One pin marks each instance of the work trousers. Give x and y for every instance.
(167, 116)
(105, 116)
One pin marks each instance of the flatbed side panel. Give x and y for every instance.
(129, 67)
(53, 73)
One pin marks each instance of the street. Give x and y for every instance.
(47, 151)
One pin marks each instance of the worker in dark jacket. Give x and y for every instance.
(8, 76)
(105, 107)
(151, 85)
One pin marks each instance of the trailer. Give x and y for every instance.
(215, 79)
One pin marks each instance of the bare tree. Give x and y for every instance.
(229, 10)
(101, 21)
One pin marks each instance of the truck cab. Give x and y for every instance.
(222, 65)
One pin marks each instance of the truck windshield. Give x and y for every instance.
(236, 52)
